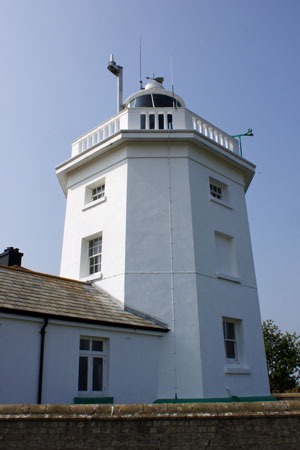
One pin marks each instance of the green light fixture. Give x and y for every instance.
(249, 133)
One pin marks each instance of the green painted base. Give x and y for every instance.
(216, 400)
(93, 400)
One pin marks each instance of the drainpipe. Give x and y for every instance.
(42, 332)
(234, 397)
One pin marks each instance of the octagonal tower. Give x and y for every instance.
(156, 215)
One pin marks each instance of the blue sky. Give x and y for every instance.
(235, 63)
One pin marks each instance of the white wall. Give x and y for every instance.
(20, 351)
(132, 362)
(107, 218)
(219, 298)
(159, 255)
(171, 222)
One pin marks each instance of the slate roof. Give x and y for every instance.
(40, 295)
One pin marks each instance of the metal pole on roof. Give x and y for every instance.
(117, 70)
(248, 133)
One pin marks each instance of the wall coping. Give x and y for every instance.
(168, 411)
(287, 396)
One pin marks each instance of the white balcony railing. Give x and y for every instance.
(215, 134)
(97, 135)
(129, 119)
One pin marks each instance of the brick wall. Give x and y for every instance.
(257, 425)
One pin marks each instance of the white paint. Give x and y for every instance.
(159, 229)
(19, 374)
(131, 363)
(130, 119)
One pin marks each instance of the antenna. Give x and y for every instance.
(172, 83)
(118, 72)
(141, 81)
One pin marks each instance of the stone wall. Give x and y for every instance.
(257, 425)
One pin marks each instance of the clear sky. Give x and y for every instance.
(235, 63)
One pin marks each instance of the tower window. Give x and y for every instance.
(161, 121)
(98, 192)
(219, 192)
(230, 341)
(144, 101)
(164, 101)
(151, 121)
(94, 194)
(95, 255)
(170, 121)
(216, 191)
(143, 121)
(91, 373)
(154, 101)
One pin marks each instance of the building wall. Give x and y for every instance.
(107, 218)
(253, 426)
(219, 298)
(132, 362)
(160, 232)
(160, 261)
(171, 258)
(19, 373)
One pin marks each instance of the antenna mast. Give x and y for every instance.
(172, 83)
(141, 81)
(118, 72)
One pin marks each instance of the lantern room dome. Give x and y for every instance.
(154, 96)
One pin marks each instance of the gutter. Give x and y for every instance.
(42, 349)
(65, 318)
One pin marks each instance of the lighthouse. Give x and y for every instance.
(156, 217)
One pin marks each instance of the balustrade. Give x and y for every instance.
(130, 119)
(96, 136)
(216, 135)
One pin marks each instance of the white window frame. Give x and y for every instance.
(216, 190)
(238, 364)
(84, 270)
(91, 199)
(94, 256)
(213, 196)
(98, 192)
(233, 340)
(91, 355)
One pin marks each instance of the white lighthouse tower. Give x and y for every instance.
(156, 216)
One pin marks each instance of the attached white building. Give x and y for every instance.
(156, 216)
(65, 341)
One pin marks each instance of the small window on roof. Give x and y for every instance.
(151, 121)
(164, 101)
(143, 121)
(170, 121)
(144, 101)
(161, 121)
(154, 100)
(132, 104)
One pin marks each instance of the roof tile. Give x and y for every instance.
(28, 292)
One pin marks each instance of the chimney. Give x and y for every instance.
(11, 257)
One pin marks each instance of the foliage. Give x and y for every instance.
(283, 357)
